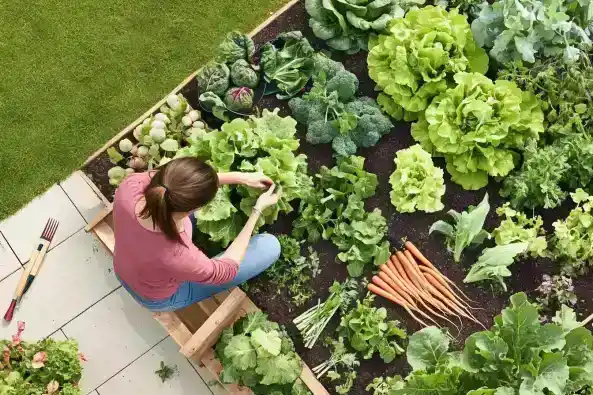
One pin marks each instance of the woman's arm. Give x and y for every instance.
(254, 180)
(236, 251)
(233, 177)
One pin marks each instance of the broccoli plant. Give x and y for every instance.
(332, 113)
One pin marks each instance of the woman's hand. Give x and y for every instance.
(256, 180)
(267, 199)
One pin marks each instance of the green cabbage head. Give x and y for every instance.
(418, 56)
(479, 127)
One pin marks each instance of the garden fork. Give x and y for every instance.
(34, 265)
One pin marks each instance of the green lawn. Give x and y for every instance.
(74, 73)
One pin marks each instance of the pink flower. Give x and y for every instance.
(52, 387)
(39, 360)
(82, 357)
(16, 339)
(20, 326)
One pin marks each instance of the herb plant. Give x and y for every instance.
(287, 64)
(258, 144)
(346, 25)
(368, 331)
(517, 227)
(44, 367)
(258, 354)
(416, 58)
(384, 385)
(572, 243)
(340, 360)
(555, 291)
(518, 355)
(313, 321)
(480, 127)
(530, 29)
(294, 271)
(417, 184)
(466, 229)
(332, 113)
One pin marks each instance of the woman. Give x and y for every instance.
(155, 259)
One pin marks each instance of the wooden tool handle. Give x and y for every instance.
(37, 265)
(23, 280)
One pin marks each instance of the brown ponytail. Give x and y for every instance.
(182, 185)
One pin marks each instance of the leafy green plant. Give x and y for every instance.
(517, 355)
(417, 57)
(225, 84)
(335, 211)
(417, 184)
(45, 367)
(549, 171)
(165, 372)
(346, 25)
(530, 29)
(384, 385)
(517, 227)
(287, 63)
(313, 321)
(493, 263)
(555, 291)
(573, 237)
(368, 331)
(332, 113)
(294, 271)
(258, 144)
(340, 360)
(466, 229)
(258, 353)
(479, 127)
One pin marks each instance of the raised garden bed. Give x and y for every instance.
(527, 274)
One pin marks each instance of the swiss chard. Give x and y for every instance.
(493, 263)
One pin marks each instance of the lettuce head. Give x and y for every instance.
(418, 56)
(479, 127)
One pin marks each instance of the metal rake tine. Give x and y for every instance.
(46, 228)
(51, 230)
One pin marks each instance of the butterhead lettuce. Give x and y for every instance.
(418, 56)
(479, 127)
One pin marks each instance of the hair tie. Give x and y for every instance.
(165, 188)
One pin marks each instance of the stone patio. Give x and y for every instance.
(76, 295)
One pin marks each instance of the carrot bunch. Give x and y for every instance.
(420, 288)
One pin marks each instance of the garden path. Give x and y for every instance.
(77, 295)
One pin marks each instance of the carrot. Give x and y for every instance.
(378, 281)
(437, 282)
(378, 291)
(435, 292)
(403, 279)
(412, 248)
(385, 271)
(393, 284)
(421, 284)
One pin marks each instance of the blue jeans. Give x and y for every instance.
(262, 252)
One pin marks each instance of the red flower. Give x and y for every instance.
(39, 360)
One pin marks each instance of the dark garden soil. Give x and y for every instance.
(414, 227)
